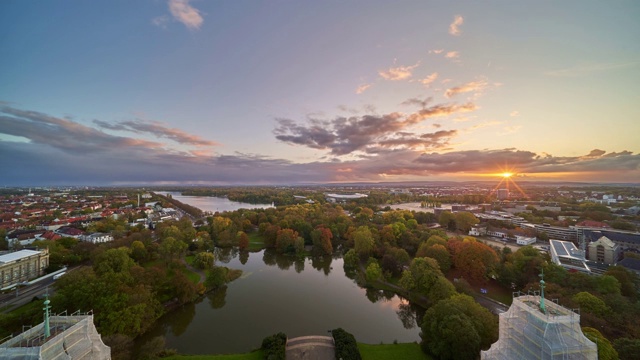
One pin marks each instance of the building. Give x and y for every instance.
(59, 337)
(525, 240)
(533, 328)
(626, 240)
(97, 238)
(631, 264)
(343, 198)
(478, 230)
(604, 250)
(21, 266)
(502, 194)
(567, 255)
(557, 232)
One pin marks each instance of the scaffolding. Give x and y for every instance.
(535, 329)
(70, 337)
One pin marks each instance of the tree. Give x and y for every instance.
(204, 260)
(170, 249)
(321, 238)
(627, 280)
(441, 255)
(363, 242)
(465, 220)
(628, 349)
(138, 251)
(424, 277)
(473, 259)
(374, 272)
(458, 328)
(591, 304)
(351, 259)
(605, 349)
(243, 240)
(447, 220)
(285, 241)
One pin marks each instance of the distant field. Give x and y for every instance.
(405, 351)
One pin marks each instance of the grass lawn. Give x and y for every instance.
(406, 351)
(195, 278)
(256, 241)
(189, 259)
(255, 355)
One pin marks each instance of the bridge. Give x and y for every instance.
(310, 348)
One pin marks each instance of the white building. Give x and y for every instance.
(525, 240)
(97, 238)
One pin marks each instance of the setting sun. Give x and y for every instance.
(507, 175)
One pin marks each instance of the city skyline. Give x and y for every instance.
(218, 93)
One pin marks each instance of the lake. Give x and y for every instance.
(213, 204)
(278, 293)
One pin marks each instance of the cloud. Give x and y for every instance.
(514, 113)
(160, 21)
(186, 14)
(63, 152)
(367, 133)
(429, 79)
(437, 51)
(473, 86)
(452, 55)
(157, 129)
(362, 88)
(63, 134)
(398, 73)
(454, 27)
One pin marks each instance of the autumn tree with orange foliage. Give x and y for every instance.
(474, 260)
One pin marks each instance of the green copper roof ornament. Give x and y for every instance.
(542, 307)
(47, 330)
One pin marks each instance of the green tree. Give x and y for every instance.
(458, 328)
(591, 303)
(605, 349)
(465, 220)
(374, 272)
(138, 251)
(204, 260)
(351, 259)
(171, 249)
(447, 220)
(441, 255)
(363, 242)
(628, 349)
(424, 277)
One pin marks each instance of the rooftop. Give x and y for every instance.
(17, 255)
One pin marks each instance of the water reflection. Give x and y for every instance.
(217, 298)
(281, 293)
(243, 257)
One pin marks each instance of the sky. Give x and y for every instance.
(159, 92)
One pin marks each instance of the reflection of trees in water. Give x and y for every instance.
(243, 257)
(299, 265)
(183, 317)
(374, 295)
(410, 314)
(269, 257)
(322, 263)
(217, 298)
(284, 262)
(407, 315)
(224, 255)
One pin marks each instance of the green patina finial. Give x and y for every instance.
(47, 330)
(542, 307)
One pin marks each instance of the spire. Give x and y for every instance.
(47, 330)
(542, 307)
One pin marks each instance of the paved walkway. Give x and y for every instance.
(311, 348)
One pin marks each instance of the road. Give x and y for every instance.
(24, 295)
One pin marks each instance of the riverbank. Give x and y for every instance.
(405, 351)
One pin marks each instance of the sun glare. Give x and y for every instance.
(507, 175)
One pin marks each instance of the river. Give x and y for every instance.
(278, 293)
(212, 203)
